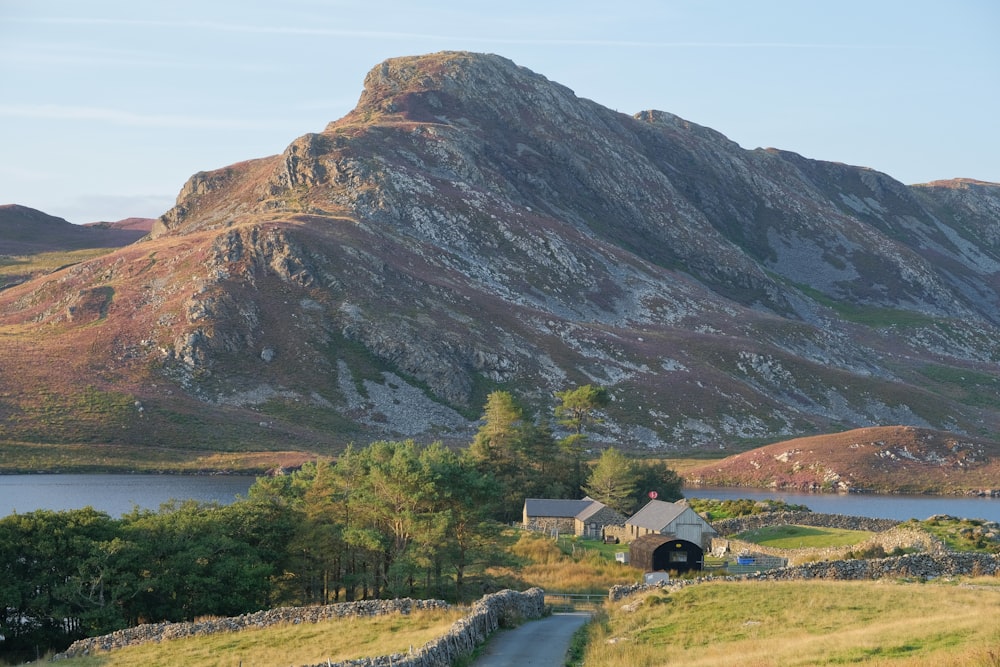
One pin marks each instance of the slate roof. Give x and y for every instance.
(568, 509)
(591, 510)
(657, 514)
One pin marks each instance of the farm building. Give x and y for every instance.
(585, 517)
(668, 536)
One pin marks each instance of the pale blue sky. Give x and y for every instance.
(108, 106)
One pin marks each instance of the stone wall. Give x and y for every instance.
(552, 525)
(505, 608)
(742, 524)
(912, 566)
(619, 532)
(900, 537)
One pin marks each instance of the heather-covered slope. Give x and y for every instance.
(472, 225)
(880, 459)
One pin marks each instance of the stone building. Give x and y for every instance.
(585, 518)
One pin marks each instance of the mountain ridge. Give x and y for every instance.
(471, 225)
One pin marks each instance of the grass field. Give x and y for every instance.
(302, 644)
(803, 537)
(779, 624)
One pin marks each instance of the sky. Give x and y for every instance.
(107, 107)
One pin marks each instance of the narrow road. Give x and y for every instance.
(541, 643)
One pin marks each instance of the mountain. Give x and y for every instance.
(882, 459)
(26, 231)
(473, 226)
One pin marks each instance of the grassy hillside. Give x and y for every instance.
(751, 624)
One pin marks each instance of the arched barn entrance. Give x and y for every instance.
(653, 553)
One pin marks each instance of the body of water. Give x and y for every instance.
(114, 494)
(119, 494)
(900, 507)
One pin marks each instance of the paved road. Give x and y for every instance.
(541, 643)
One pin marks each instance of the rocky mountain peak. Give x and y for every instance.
(471, 225)
(435, 86)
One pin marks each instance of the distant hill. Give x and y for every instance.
(26, 231)
(898, 459)
(473, 226)
(134, 225)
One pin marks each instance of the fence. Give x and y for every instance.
(575, 601)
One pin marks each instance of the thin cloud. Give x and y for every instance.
(128, 118)
(41, 55)
(298, 31)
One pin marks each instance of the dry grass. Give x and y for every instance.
(302, 644)
(803, 623)
(20, 457)
(545, 565)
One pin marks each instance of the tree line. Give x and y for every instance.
(386, 520)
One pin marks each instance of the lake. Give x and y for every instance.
(118, 494)
(114, 494)
(900, 507)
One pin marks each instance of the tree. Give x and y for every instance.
(497, 450)
(548, 469)
(56, 578)
(493, 447)
(189, 564)
(397, 492)
(613, 481)
(575, 411)
(462, 500)
(659, 477)
(577, 406)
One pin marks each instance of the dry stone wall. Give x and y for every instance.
(911, 566)
(742, 524)
(900, 537)
(502, 609)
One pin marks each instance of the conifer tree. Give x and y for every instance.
(613, 481)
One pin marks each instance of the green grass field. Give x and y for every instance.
(803, 537)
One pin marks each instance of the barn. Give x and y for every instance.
(656, 553)
(668, 536)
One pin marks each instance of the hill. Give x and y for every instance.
(34, 244)
(470, 226)
(881, 459)
(26, 231)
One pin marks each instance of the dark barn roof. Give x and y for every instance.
(654, 552)
(640, 551)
